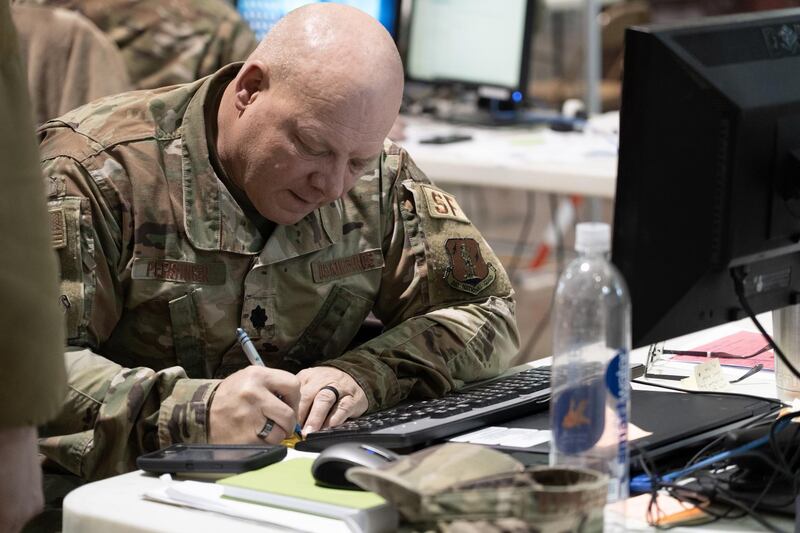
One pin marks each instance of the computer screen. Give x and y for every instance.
(474, 42)
(261, 15)
(708, 184)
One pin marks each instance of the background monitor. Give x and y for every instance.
(709, 171)
(261, 15)
(474, 42)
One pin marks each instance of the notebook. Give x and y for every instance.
(290, 485)
(666, 422)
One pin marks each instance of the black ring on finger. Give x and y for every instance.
(268, 425)
(334, 390)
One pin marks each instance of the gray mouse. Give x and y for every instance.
(331, 464)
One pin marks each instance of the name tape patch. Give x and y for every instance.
(442, 204)
(179, 271)
(323, 271)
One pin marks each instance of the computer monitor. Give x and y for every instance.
(708, 185)
(261, 15)
(471, 42)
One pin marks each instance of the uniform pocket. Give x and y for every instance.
(332, 329)
(188, 334)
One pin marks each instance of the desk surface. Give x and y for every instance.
(532, 159)
(115, 504)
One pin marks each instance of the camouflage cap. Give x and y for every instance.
(458, 486)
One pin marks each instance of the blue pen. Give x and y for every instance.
(255, 359)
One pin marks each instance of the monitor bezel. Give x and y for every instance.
(524, 68)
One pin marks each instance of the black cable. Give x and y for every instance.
(684, 494)
(738, 275)
(524, 233)
(753, 424)
(720, 493)
(713, 487)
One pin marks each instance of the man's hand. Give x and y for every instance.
(20, 478)
(318, 406)
(246, 399)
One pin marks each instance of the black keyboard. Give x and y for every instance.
(417, 424)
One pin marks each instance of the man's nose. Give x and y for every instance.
(330, 181)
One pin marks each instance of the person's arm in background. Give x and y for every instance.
(32, 382)
(69, 61)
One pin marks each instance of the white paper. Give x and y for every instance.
(709, 376)
(502, 436)
(207, 497)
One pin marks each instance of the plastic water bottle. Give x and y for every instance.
(590, 403)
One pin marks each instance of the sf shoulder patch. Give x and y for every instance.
(442, 204)
(468, 271)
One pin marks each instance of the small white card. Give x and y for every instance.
(510, 437)
(707, 376)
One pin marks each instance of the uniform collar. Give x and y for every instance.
(214, 220)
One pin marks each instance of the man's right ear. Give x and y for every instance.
(251, 80)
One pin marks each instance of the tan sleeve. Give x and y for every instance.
(69, 61)
(32, 382)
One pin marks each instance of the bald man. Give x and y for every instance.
(263, 197)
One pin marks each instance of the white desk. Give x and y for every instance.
(115, 504)
(531, 159)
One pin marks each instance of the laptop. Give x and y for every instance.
(669, 422)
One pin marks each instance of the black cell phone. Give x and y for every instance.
(210, 458)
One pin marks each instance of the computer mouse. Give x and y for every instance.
(331, 464)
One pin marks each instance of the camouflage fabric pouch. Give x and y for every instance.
(464, 487)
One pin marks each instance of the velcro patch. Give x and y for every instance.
(442, 204)
(56, 186)
(323, 271)
(179, 271)
(58, 228)
(468, 270)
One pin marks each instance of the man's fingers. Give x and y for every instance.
(275, 436)
(323, 402)
(285, 385)
(307, 394)
(281, 414)
(341, 413)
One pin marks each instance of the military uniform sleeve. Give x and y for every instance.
(445, 299)
(112, 413)
(31, 369)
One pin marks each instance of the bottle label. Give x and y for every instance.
(617, 381)
(579, 415)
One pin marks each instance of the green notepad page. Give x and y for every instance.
(293, 478)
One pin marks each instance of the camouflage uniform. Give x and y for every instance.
(160, 265)
(166, 42)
